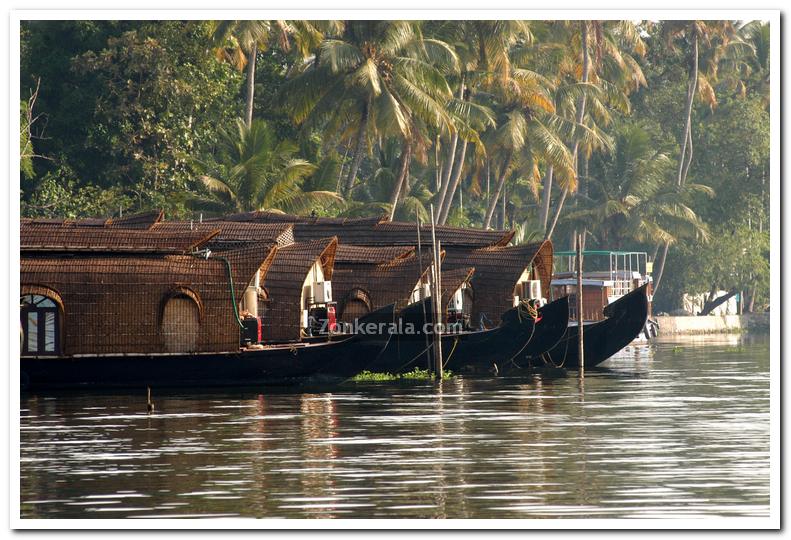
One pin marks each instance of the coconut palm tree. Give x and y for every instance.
(602, 79)
(684, 38)
(238, 43)
(371, 79)
(259, 173)
(484, 49)
(632, 198)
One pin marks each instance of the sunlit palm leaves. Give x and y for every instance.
(260, 173)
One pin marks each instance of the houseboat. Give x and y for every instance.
(107, 305)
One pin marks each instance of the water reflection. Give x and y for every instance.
(671, 429)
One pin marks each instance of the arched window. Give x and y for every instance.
(41, 325)
(356, 304)
(180, 323)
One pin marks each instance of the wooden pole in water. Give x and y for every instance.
(436, 300)
(580, 343)
(421, 292)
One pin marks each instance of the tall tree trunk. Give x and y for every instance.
(685, 158)
(454, 185)
(661, 270)
(751, 301)
(656, 252)
(580, 118)
(442, 200)
(251, 57)
(495, 198)
(359, 148)
(683, 168)
(339, 184)
(402, 174)
(546, 195)
(548, 235)
(502, 214)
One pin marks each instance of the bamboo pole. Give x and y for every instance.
(436, 299)
(580, 343)
(421, 292)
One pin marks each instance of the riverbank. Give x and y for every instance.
(751, 322)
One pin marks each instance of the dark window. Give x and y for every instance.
(40, 319)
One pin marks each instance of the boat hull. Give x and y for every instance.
(626, 318)
(511, 343)
(286, 365)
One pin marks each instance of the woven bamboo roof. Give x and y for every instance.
(113, 303)
(371, 255)
(280, 217)
(452, 280)
(377, 231)
(48, 237)
(284, 280)
(497, 270)
(233, 234)
(377, 285)
(143, 220)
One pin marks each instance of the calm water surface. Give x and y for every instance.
(671, 429)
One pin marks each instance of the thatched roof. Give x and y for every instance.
(371, 255)
(452, 280)
(284, 282)
(376, 231)
(377, 284)
(113, 304)
(143, 220)
(232, 234)
(497, 270)
(51, 237)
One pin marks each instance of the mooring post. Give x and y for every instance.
(436, 300)
(580, 343)
(421, 292)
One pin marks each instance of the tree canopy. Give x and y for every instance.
(646, 136)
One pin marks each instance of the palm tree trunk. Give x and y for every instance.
(692, 87)
(445, 181)
(685, 158)
(496, 195)
(248, 117)
(402, 174)
(548, 235)
(580, 117)
(359, 147)
(454, 185)
(340, 172)
(546, 195)
(661, 270)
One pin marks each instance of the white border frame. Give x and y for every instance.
(152, 13)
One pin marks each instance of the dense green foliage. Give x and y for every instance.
(649, 137)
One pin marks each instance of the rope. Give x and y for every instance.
(547, 358)
(455, 342)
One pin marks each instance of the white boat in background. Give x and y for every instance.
(606, 277)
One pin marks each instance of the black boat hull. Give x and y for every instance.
(517, 338)
(272, 366)
(626, 318)
(285, 364)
